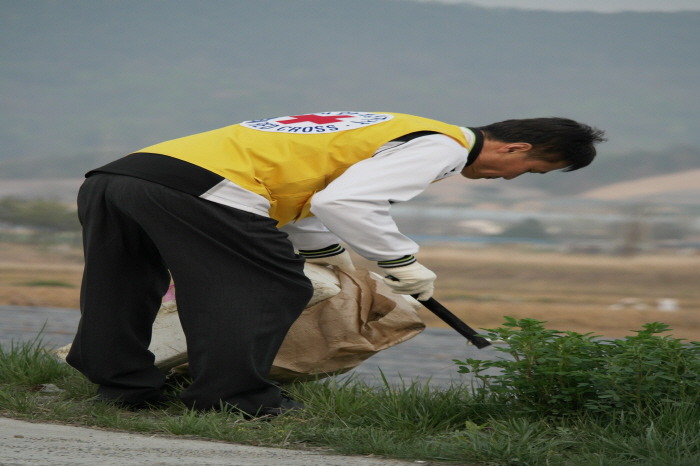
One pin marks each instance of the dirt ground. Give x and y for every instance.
(609, 296)
(36, 275)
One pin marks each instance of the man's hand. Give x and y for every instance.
(412, 279)
(334, 255)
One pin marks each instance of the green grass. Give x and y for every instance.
(56, 283)
(411, 421)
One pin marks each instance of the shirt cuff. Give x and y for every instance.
(400, 262)
(332, 250)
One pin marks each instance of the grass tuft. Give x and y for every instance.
(56, 283)
(28, 363)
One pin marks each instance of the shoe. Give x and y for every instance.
(158, 402)
(286, 406)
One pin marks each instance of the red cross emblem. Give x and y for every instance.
(317, 123)
(316, 119)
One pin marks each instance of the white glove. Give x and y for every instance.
(334, 255)
(413, 279)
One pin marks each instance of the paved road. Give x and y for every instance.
(427, 357)
(26, 443)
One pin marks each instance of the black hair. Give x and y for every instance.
(553, 139)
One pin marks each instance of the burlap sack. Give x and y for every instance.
(340, 332)
(349, 319)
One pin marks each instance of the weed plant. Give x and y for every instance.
(552, 372)
(564, 399)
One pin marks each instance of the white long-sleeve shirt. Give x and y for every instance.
(355, 207)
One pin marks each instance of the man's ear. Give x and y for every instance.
(515, 147)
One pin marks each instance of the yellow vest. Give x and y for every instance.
(288, 159)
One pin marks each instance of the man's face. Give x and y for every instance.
(508, 165)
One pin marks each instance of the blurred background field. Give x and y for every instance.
(607, 295)
(602, 250)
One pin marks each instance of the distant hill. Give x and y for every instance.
(83, 82)
(672, 175)
(677, 185)
(608, 169)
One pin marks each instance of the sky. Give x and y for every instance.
(602, 6)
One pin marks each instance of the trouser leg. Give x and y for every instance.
(239, 287)
(123, 282)
(236, 324)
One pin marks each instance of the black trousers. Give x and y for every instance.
(239, 287)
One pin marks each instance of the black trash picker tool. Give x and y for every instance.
(452, 320)
(455, 322)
